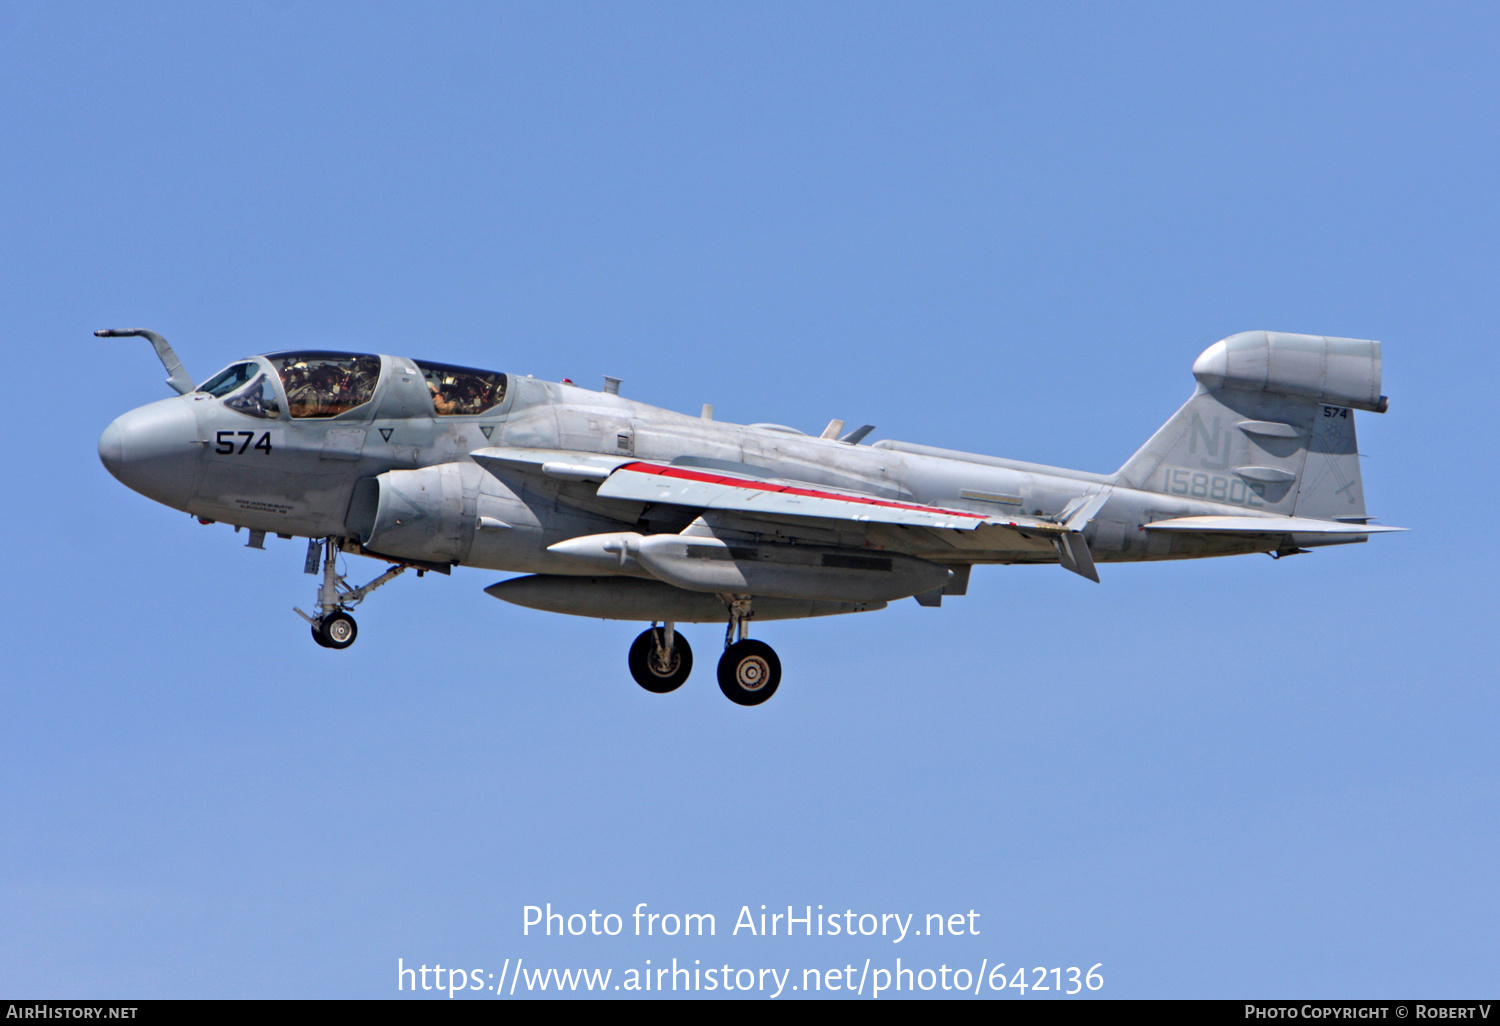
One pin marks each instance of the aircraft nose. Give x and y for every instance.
(111, 449)
(154, 450)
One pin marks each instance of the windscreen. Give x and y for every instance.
(229, 379)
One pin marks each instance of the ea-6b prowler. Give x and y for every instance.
(620, 510)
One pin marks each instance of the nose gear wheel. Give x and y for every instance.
(337, 631)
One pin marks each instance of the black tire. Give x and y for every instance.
(749, 672)
(647, 670)
(318, 637)
(338, 630)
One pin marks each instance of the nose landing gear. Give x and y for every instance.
(333, 627)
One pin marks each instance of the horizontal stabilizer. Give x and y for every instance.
(1265, 525)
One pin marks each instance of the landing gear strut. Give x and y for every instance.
(333, 627)
(749, 671)
(660, 659)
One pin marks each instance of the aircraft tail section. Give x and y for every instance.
(1270, 427)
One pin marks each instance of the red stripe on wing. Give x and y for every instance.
(740, 482)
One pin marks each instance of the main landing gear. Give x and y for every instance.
(660, 659)
(333, 627)
(749, 671)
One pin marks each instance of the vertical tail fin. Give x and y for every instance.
(1270, 427)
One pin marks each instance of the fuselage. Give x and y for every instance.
(257, 447)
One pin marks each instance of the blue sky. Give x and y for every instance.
(1004, 228)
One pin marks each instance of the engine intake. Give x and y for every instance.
(414, 514)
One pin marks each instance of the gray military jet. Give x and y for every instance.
(620, 510)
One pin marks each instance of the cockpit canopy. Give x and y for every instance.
(462, 391)
(326, 384)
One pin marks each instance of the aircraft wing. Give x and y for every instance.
(705, 489)
(1264, 525)
(635, 480)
